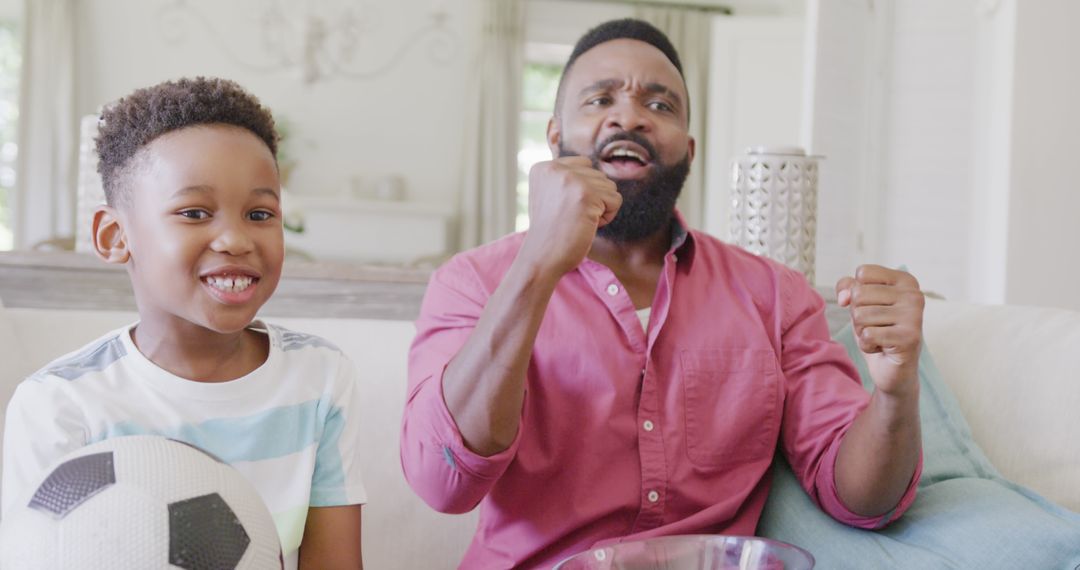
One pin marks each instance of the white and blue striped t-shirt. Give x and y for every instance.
(289, 426)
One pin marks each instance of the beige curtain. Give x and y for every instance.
(690, 31)
(488, 195)
(48, 128)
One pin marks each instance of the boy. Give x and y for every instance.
(193, 212)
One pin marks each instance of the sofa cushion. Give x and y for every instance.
(400, 531)
(966, 514)
(1014, 372)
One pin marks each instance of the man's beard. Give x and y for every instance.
(648, 203)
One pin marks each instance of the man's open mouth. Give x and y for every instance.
(625, 160)
(625, 152)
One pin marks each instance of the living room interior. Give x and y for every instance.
(943, 134)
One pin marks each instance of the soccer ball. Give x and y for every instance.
(140, 502)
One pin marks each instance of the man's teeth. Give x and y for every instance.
(230, 284)
(627, 153)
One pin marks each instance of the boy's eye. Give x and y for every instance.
(194, 214)
(260, 215)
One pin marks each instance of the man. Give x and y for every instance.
(612, 375)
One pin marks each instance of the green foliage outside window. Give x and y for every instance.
(540, 81)
(10, 64)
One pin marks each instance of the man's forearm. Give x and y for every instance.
(879, 454)
(484, 385)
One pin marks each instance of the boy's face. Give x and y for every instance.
(201, 228)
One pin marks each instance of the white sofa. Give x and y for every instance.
(1013, 370)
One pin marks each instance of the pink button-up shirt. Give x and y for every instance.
(629, 434)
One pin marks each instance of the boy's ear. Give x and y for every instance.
(110, 241)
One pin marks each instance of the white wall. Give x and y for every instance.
(405, 121)
(991, 146)
(564, 21)
(755, 98)
(1044, 233)
(929, 166)
(977, 196)
(839, 123)
(11, 9)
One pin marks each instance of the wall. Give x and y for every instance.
(404, 121)
(991, 146)
(838, 123)
(10, 9)
(929, 167)
(755, 98)
(1044, 202)
(976, 193)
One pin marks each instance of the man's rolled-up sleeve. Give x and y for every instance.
(445, 473)
(823, 396)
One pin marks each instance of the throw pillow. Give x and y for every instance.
(966, 515)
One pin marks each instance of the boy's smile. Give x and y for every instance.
(232, 285)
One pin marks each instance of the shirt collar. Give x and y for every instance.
(682, 240)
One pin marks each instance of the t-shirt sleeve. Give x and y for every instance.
(41, 426)
(337, 479)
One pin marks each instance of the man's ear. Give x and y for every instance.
(691, 147)
(110, 240)
(554, 136)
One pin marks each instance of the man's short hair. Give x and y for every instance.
(628, 28)
(135, 121)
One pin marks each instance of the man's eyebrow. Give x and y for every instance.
(602, 85)
(661, 89)
(608, 84)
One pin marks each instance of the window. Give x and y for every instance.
(540, 81)
(10, 64)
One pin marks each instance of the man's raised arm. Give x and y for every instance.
(467, 378)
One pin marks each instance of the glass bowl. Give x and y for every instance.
(693, 552)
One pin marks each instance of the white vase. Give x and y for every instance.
(774, 205)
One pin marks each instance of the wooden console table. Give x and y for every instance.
(64, 280)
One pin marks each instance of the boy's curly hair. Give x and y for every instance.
(136, 120)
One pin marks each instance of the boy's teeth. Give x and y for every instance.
(230, 284)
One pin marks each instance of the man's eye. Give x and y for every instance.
(194, 214)
(598, 101)
(260, 215)
(660, 106)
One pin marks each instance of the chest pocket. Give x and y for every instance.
(732, 405)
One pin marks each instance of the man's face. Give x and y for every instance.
(203, 228)
(624, 105)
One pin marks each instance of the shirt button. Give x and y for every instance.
(613, 289)
(654, 496)
(647, 425)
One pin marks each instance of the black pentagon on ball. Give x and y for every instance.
(205, 534)
(73, 482)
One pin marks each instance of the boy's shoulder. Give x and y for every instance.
(289, 340)
(91, 358)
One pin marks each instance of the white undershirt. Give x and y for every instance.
(643, 316)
